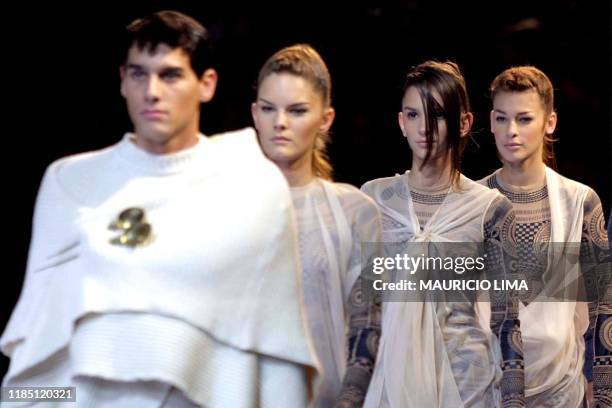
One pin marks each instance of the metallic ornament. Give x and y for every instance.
(135, 231)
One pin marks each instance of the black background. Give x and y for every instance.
(62, 83)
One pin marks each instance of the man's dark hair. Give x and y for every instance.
(175, 30)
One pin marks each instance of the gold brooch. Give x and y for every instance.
(135, 230)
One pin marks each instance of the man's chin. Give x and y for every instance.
(155, 134)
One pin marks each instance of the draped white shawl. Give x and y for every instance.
(552, 332)
(412, 366)
(333, 220)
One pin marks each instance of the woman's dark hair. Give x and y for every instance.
(443, 79)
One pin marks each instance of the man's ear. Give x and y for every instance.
(208, 85)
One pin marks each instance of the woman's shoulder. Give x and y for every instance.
(568, 184)
(380, 184)
(477, 189)
(489, 180)
(349, 193)
(353, 201)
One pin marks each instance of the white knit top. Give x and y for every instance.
(216, 285)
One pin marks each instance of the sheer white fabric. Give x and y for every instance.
(333, 220)
(433, 354)
(552, 332)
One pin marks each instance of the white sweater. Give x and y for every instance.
(220, 270)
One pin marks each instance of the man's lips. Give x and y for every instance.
(154, 113)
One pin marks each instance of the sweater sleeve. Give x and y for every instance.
(504, 322)
(595, 263)
(54, 241)
(365, 311)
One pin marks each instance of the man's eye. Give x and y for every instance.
(171, 75)
(137, 74)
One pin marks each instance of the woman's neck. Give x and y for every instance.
(436, 174)
(526, 173)
(298, 173)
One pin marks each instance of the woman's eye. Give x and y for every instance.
(298, 111)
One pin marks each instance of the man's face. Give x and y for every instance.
(163, 96)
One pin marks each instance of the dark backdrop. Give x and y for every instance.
(62, 86)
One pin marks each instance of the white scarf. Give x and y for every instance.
(561, 323)
(340, 217)
(412, 367)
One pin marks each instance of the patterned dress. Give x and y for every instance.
(333, 220)
(531, 235)
(438, 353)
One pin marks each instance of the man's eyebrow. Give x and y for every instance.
(172, 69)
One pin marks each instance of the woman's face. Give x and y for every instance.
(412, 121)
(519, 123)
(289, 114)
